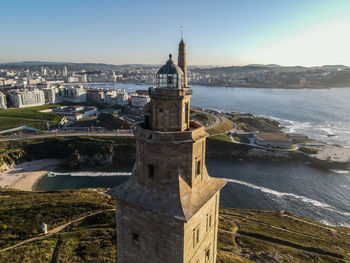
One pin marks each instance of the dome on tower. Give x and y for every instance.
(170, 75)
(170, 67)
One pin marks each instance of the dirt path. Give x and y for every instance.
(52, 231)
(313, 224)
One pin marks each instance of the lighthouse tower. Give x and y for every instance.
(168, 210)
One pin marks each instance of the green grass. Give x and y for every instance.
(224, 126)
(262, 236)
(90, 240)
(221, 137)
(253, 123)
(11, 122)
(309, 150)
(287, 238)
(11, 118)
(22, 213)
(106, 120)
(203, 118)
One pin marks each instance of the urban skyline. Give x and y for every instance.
(225, 33)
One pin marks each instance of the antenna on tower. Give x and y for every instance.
(182, 31)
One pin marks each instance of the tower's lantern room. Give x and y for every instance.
(170, 76)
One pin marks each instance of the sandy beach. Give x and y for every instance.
(24, 176)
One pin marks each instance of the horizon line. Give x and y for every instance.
(149, 64)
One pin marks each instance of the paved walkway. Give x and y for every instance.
(216, 122)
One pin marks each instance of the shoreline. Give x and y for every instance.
(250, 86)
(25, 176)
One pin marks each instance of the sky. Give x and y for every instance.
(217, 32)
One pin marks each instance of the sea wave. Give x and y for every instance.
(337, 171)
(89, 173)
(284, 194)
(319, 131)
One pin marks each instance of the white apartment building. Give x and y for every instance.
(52, 95)
(73, 79)
(58, 94)
(122, 98)
(3, 104)
(27, 98)
(84, 78)
(73, 94)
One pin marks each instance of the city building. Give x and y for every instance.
(95, 95)
(142, 92)
(27, 97)
(122, 98)
(75, 113)
(73, 94)
(110, 97)
(52, 95)
(84, 78)
(272, 139)
(168, 210)
(297, 138)
(64, 72)
(57, 94)
(3, 103)
(113, 76)
(139, 100)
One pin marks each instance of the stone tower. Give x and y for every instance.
(168, 210)
(181, 60)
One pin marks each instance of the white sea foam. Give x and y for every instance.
(337, 171)
(325, 222)
(283, 194)
(89, 173)
(318, 131)
(343, 224)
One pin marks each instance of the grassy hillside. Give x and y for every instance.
(61, 147)
(223, 127)
(267, 236)
(244, 235)
(11, 118)
(22, 213)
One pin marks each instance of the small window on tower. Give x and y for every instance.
(198, 167)
(150, 171)
(195, 236)
(207, 255)
(135, 237)
(160, 110)
(209, 221)
(170, 80)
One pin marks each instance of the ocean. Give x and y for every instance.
(297, 188)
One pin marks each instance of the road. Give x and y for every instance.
(125, 133)
(52, 231)
(216, 122)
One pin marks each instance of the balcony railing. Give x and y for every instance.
(169, 92)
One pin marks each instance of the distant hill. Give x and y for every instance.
(102, 66)
(70, 65)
